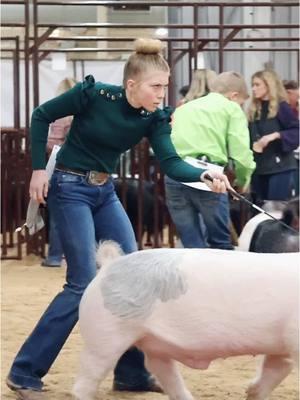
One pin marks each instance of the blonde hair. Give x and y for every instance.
(276, 94)
(228, 82)
(65, 85)
(147, 54)
(201, 84)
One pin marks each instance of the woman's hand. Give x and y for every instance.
(38, 188)
(263, 142)
(219, 183)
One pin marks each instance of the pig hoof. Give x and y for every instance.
(253, 392)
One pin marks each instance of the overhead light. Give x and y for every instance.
(161, 32)
(254, 34)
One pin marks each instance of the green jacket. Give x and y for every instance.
(217, 128)
(104, 126)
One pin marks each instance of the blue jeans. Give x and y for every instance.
(201, 217)
(84, 215)
(273, 186)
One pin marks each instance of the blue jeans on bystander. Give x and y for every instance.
(201, 217)
(277, 187)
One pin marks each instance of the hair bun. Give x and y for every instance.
(148, 46)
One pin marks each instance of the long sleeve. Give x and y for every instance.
(289, 133)
(238, 140)
(72, 102)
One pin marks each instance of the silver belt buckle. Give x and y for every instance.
(97, 178)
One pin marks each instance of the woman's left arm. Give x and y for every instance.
(289, 134)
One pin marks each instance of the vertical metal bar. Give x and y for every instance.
(171, 92)
(171, 231)
(26, 65)
(16, 79)
(195, 31)
(18, 146)
(35, 60)
(190, 63)
(17, 211)
(221, 37)
(82, 70)
(27, 85)
(5, 193)
(74, 69)
(15, 88)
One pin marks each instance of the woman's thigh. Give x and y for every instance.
(70, 206)
(112, 223)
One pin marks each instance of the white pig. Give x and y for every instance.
(191, 306)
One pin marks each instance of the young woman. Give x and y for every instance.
(107, 120)
(274, 135)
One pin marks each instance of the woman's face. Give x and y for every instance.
(148, 90)
(260, 89)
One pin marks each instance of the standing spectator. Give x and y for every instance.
(199, 86)
(292, 89)
(213, 127)
(56, 136)
(274, 135)
(108, 120)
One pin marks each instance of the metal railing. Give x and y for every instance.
(16, 168)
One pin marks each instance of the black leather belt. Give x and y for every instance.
(93, 177)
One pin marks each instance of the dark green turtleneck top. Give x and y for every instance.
(104, 126)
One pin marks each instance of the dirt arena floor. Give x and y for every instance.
(27, 288)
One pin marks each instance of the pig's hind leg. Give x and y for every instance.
(93, 369)
(273, 370)
(96, 360)
(168, 375)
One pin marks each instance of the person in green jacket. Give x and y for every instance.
(107, 120)
(213, 128)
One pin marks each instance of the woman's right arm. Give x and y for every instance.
(72, 102)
